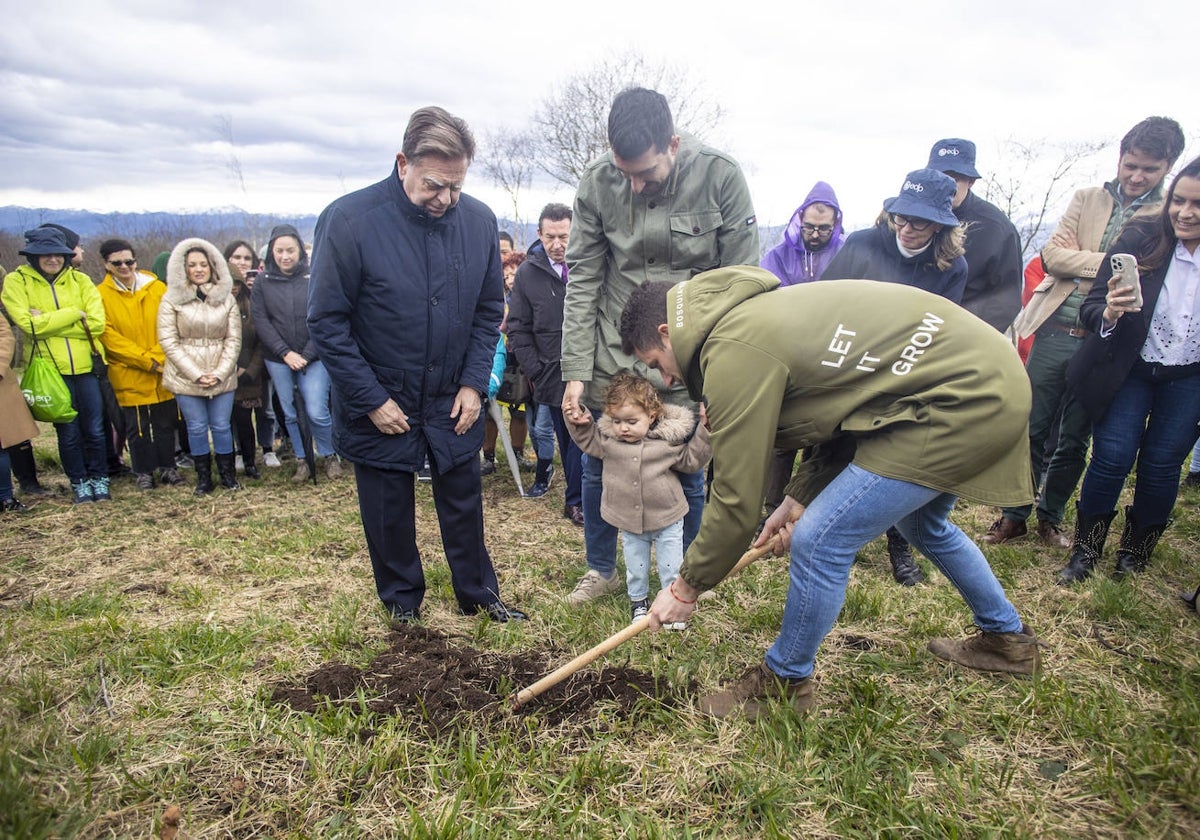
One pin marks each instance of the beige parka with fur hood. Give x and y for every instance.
(199, 328)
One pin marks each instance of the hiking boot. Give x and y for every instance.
(33, 488)
(100, 492)
(81, 492)
(1137, 544)
(302, 473)
(639, 609)
(145, 481)
(271, 460)
(1053, 534)
(1090, 534)
(333, 467)
(1004, 530)
(1007, 653)
(593, 585)
(13, 506)
(489, 464)
(747, 696)
(904, 568)
(170, 476)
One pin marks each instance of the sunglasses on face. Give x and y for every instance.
(119, 263)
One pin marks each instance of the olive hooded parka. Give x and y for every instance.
(912, 387)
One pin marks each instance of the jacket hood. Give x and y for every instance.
(821, 193)
(790, 260)
(695, 306)
(180, 291)
(272, 267)
(676, 426)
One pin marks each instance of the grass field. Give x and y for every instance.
(142, 640)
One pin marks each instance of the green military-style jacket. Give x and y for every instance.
(703, 219)
(903, 383)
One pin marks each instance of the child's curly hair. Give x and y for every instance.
(628, 387)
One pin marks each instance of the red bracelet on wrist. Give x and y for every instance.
(671, 589)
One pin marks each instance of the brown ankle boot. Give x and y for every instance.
(1009, 653)
(749, 694)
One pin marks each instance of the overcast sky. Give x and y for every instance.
(135, 105)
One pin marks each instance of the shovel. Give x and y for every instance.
(619, 638)
(494, 411)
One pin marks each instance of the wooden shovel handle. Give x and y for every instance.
(586, 658)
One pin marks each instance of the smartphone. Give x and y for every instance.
(1125, 267)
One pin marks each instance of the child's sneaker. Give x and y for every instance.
(639, 609)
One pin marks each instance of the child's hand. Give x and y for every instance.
(578, 416)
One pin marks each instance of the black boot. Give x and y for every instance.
(904, 568)
(1090, 534)
(1137, 543)
(203, 465)
(227, 468)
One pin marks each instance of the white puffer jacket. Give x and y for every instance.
(199, 336)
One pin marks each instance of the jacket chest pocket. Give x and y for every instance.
(694, 240)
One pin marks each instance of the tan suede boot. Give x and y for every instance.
(1008, 653)
(749, 694)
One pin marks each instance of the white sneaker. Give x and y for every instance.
(592, 586)
(239, 464)
(270, 459)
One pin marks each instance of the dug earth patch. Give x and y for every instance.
(426, 678)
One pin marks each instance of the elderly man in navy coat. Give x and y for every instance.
(405, 305)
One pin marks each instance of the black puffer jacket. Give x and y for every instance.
(535, 318)
(279, 303)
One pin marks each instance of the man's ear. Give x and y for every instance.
(663, 331)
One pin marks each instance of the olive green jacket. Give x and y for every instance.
(904, 383)
(702, 219)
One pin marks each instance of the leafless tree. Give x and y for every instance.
(508, 162)
(224, 128)
(570, 126)
(1034, 180)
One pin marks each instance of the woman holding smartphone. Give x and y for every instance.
(1138, 377)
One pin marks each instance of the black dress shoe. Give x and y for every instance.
(574, 513)
(497, 611)
(401, 618)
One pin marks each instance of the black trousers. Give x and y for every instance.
(150, 434)
(387, 503)
(243, 427)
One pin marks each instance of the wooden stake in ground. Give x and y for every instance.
(620, 637)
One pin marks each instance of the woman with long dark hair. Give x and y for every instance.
(1138, 377)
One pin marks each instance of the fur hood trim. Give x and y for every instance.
(180, 291)
(676, 426)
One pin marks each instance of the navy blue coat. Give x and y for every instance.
(872, 254)
(406, 306)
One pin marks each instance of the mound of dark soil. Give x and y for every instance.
(425, 677)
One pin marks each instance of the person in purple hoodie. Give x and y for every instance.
(811, 239)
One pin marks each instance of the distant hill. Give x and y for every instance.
(229, 222)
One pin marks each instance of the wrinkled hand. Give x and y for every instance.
(389, 419)
(466, 408)
(294, 360)
(573, 412)
(1119, 300)
(779, 526)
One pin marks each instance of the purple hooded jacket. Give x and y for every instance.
(790, 261)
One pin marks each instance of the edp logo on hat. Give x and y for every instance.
(954, 155)
(926, 194)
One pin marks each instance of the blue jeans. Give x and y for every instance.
(6, 485)
(81, 442)
(668, 551)
(1153, 423)
(541, 430)
(600, 538)
(854, 509)
(313, 381)
(202, 414)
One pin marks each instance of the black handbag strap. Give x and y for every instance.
(91, 341)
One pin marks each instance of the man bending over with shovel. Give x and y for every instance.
(906, 404)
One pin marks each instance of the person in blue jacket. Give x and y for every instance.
(404, 306)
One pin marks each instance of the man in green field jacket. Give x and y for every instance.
(907, 403)
(659, 206)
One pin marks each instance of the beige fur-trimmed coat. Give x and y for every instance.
(16, 423)
(199, 336)
(641, 489)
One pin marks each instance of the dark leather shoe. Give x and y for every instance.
(497, 611)
(1053, 535)
(400, 618)
(574, 513)
(1003, 530)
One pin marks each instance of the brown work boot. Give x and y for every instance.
(747, 696)
(1053, 534)
(1003, 530)
(1008, 653)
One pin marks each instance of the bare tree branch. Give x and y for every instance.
(570, 126)
(508, 162)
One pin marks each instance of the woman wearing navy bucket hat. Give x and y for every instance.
(917, 241)
(58, 305)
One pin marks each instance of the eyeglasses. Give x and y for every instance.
(916, 224)
(119, 263)
(824, 230)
